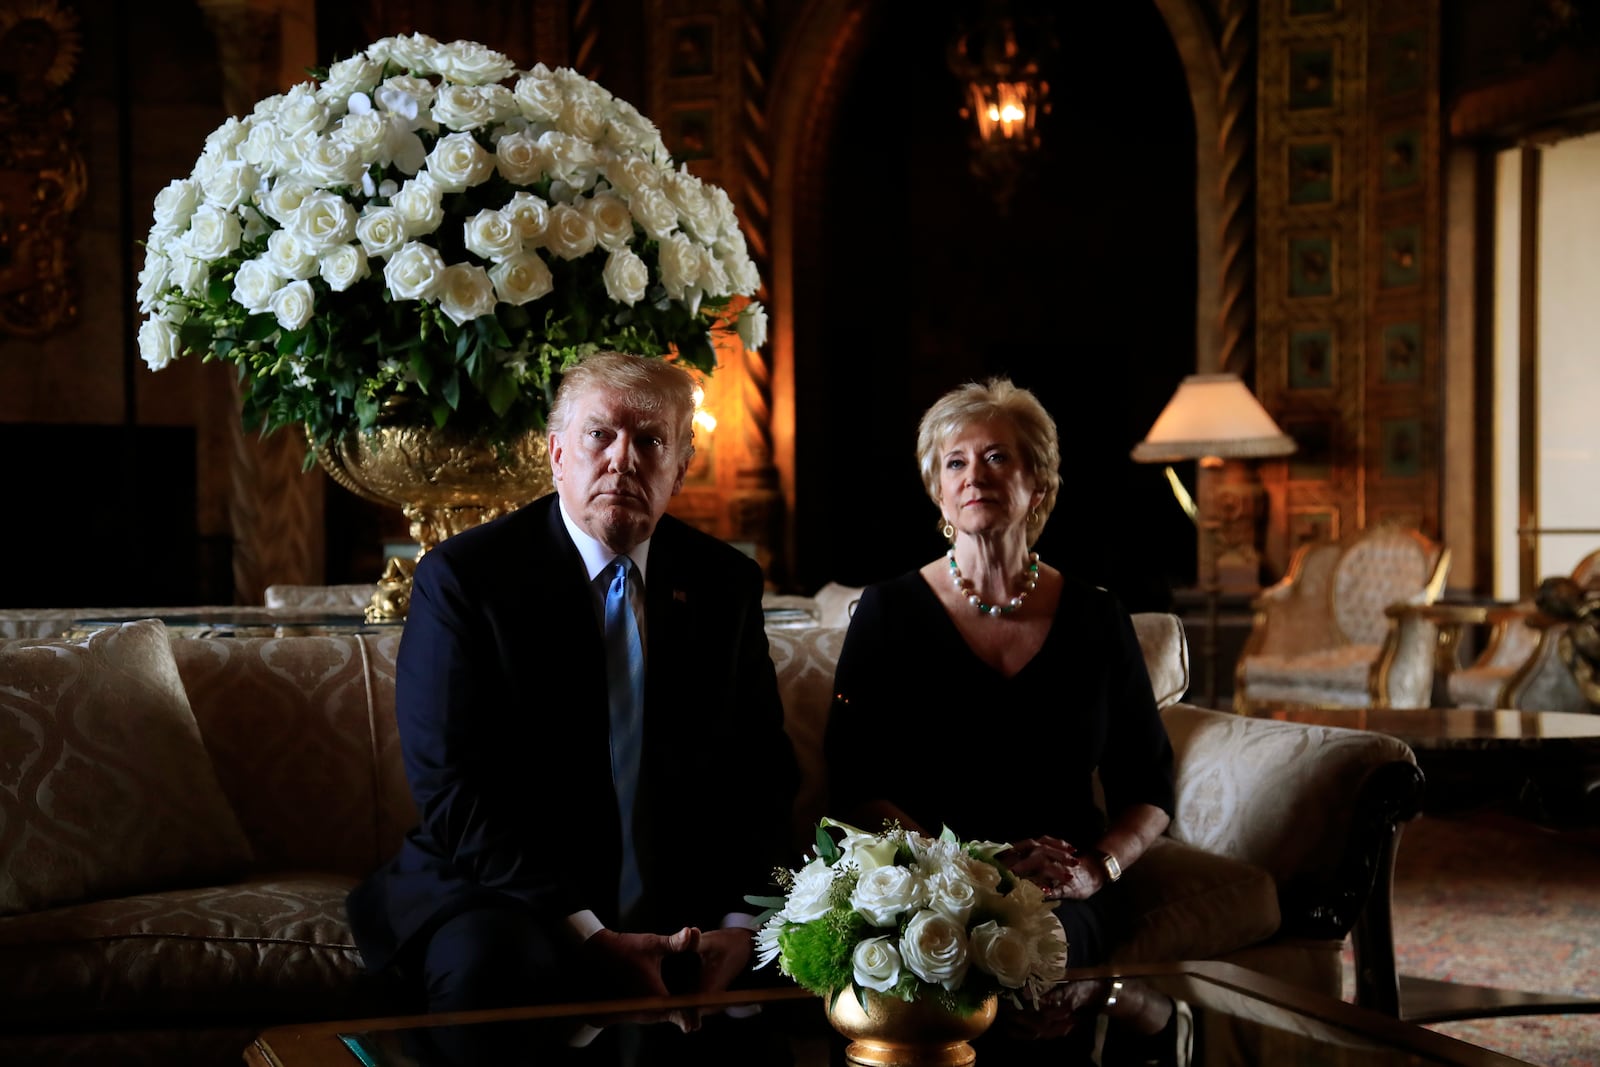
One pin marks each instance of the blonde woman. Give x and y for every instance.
(986, 688)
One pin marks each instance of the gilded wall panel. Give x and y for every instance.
(1348, 209)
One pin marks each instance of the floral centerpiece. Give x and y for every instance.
(912, 917)
(428, 224)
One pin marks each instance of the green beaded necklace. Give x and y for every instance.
(965, 587)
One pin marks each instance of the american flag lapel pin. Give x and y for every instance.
(680, 596)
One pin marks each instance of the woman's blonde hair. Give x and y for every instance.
(994, 399)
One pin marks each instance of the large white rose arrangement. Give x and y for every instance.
(428, 223)
(909, 916)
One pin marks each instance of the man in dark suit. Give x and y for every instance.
(528, 878)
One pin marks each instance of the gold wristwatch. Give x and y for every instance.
(1109, 862)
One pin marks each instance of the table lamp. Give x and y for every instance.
(1211, 418)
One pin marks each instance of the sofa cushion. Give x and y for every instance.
(272, 947)
(804, 659)
(105, 785)
(1188, 905)
(303, 733)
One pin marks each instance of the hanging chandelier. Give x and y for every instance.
(999, 56)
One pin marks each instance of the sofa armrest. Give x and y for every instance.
(1318, 807)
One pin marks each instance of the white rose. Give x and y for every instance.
(225, 138)
(342, 266)
(753, 326)
(411, 51)
(626, 277)
(158, 343)
(323, 220)
(520, 159)
(152, 279)
(458, 162)
(502, 105)
(1001, 951)
(949, 892)
(935, 949)
(462, 107)
(260, 147)
(253, 285)
(465, 292)
(348, 76)
(613, 225)
(883, 893)
(875, 964)
(655, 213)
(530, 214)
(205, 168)
(300, 112)
(283, 199)
(329, 161)
(289, 256)
(213, 233)
(521, 278)
(189, 274)
(381, 230)
(631, 132)
(492, 235)
(365, 133)
(682, 263)
(420, 203)
(583, 116)
(286, 153)
(175, 205)
(630, 174)
(538, 95)
(414, 272)
(696, 212)
(808, 897)
(294, 304)
(746, 278)
(570, 233)
(471, 63)
(571, 160)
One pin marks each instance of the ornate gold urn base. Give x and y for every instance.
(893, 1033)
(444, 481)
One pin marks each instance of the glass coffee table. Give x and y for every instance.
(1181, 1014)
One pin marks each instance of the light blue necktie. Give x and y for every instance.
(625, 687)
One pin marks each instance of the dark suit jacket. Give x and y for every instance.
(501, 701)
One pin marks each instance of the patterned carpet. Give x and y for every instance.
(1492, 901)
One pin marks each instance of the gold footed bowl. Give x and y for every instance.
(894, 1033)
(444, 481)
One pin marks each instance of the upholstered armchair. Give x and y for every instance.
(1521, 665)
(1322, 638)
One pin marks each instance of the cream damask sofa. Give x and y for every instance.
(180, 819)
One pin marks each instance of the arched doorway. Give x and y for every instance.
(895, 279)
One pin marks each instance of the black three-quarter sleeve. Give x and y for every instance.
(1136, 767)
(856, 718)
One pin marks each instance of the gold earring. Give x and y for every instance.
(1033, 517)
(948, 531)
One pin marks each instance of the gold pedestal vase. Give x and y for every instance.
(444, 481)
(894, 1033)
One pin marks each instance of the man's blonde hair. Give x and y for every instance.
(652, 385)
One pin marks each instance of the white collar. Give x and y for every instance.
(596, 556)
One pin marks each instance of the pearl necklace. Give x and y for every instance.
(965, 588)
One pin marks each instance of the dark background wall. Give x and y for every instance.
(1083, 291)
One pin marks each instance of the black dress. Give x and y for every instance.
(920, 721)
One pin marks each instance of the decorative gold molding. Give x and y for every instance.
(43, 176)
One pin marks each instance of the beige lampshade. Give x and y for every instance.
(1212, 415)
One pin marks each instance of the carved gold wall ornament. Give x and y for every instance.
(43, 176)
